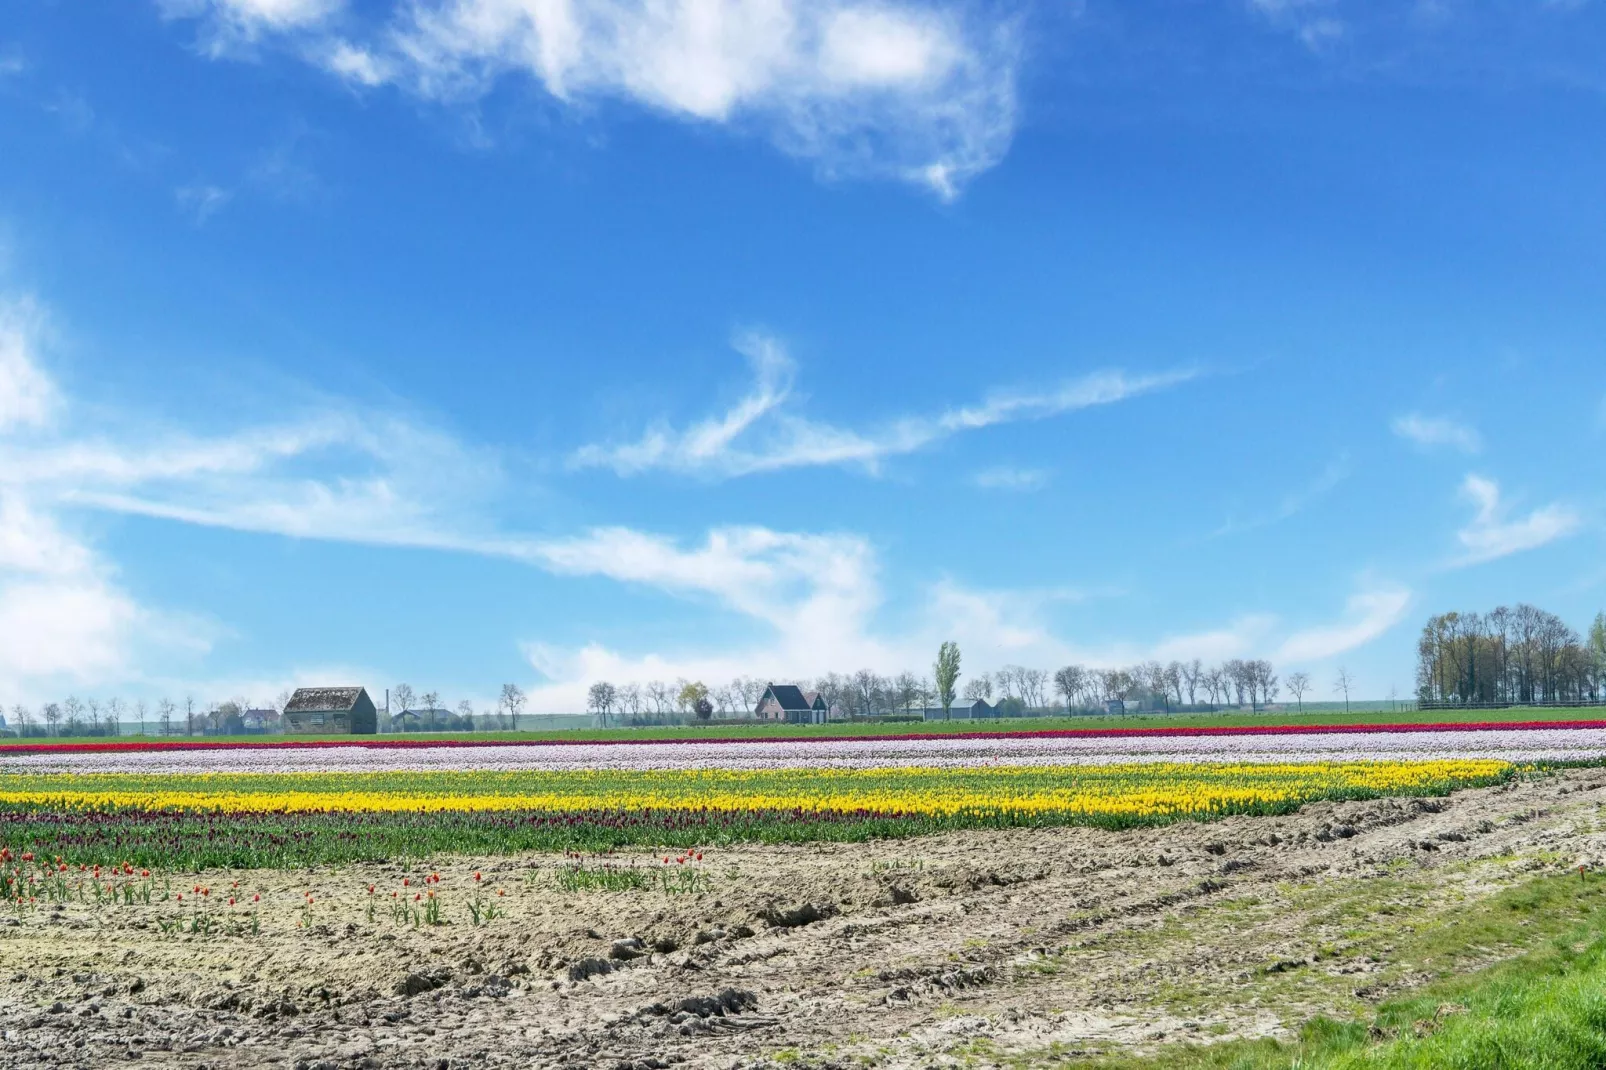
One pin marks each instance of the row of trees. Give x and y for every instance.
(1510, 656)
(1014, 689)
(97, 717)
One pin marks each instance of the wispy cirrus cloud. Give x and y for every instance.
(1492, 535)
(1437, 431)
(919, 92)
(1010, 478)
(201, 201)
(1311, 21)
(761, 432)
(1292, 503)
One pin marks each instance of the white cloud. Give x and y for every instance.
(1305, 19)
(63, 619)
(1006, 477)
(201, 202)
(27, 396)
(861, 87)
(1490, 535)
(251, 17)
(722, 445)
(1432, 431)
(1369, 614)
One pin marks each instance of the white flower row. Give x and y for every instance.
(1517, 745)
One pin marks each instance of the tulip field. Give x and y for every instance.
(289, 805)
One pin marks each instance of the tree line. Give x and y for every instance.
(1013, 690)
(74, 716)
(1510, 656)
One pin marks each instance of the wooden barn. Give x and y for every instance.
(330, 711)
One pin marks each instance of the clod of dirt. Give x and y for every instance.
(807, 914)
(708, 936)
(902, 896)
(665, 944)
(424, 980)
(730, 1001)
(587, 968)
(491, 985)
(629, 948)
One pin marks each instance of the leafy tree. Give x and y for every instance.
(946, 672)
(691, 694)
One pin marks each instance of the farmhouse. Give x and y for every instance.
(788, 702)
(330, 711)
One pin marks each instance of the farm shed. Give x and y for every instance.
(962, 709)
(330, 711)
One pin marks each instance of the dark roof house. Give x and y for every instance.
(787, 702)
(331, 711)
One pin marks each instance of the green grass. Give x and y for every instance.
(1544, 1009)
(1377, 713)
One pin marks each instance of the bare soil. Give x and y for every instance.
(966, 949)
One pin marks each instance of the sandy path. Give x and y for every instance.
(923, 951)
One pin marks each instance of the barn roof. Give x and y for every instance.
(323, 699)
(790, 696)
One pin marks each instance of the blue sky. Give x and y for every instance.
(466, 341)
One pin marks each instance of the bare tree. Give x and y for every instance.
(1116, 684)
(512, 701)
(465, 710)
(1342, 684)
(52, 716)
(600, 699)
(1264, 679)
(906, 688)
(630, 699)
(74, 709)
(114, 716)
(140, 711)
(660, 695)
(402, 695)
(1192, 677)
(164, 714)
(1173, 680)
(22, 715)
(189, 715)
(1034, 684)
(430, 699)
(1298, 684)
(93, 706)
(1070, 682)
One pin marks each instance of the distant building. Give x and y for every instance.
(787, 702)
(330, 711)
(260, 720)
(961, 710)
(422, 720)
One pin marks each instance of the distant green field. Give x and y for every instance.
(1224, 719)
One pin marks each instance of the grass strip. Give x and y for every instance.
(1544, 1009)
